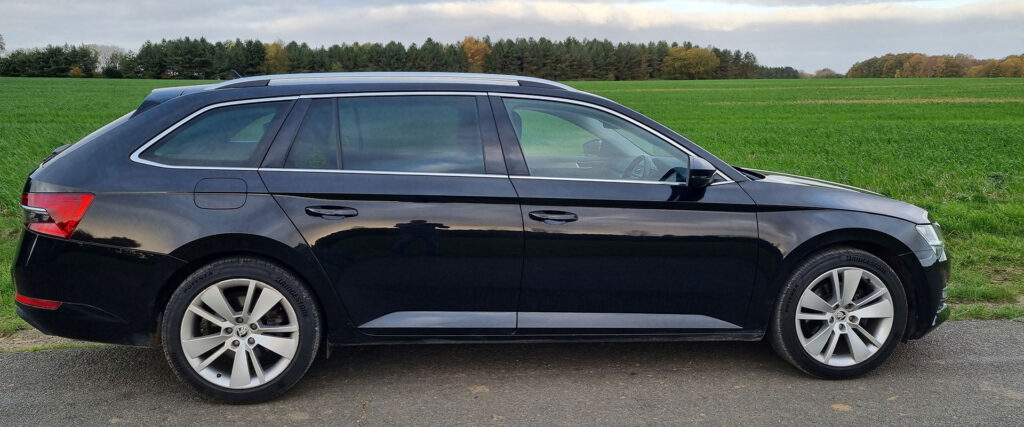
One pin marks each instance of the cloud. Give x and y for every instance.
(834, 33)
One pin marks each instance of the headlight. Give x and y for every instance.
(932, 234)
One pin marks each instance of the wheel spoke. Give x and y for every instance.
(868, 336)
(837, 291)
(195, 347)
(214, 298)
(256, 366)
(833, 340)
(248, 298)
(240, 369)
(858, 350)
(268, 298)
(851, 281)
(812, 301)
(878, 310)
(812, 316)
(277, 329)
(871, 297)
(202, 365)
(209, 316)
(818, 341)
(285, 347)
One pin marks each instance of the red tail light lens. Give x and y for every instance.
(54, 214)
(36, 302)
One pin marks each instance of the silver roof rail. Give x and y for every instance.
(389, 77)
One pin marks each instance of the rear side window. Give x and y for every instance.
(438, 134)
(233, 136)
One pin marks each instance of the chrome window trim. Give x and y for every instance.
(725, 178)
(366, 172)
(617, 181)
(135, 154)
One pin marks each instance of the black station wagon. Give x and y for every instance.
(247, 226)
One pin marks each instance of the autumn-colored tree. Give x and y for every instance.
(700, 62)
(276, 59)
(476, 50)
(983, 70)
(1012, 66)
(695, 63)
(827, 73)
(673, 66)
(76, 71)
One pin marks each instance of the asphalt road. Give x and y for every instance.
(964, 373)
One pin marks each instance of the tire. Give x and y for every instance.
(839, 335)
(206, 350)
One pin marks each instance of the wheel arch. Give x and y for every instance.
(211, 248)
(886, 247)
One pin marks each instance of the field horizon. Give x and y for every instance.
(952, 146)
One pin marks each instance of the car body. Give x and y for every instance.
(395, 247)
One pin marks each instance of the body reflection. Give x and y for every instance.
(415, 230)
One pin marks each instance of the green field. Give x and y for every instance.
(952, 146)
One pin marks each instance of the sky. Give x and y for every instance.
(805, 34)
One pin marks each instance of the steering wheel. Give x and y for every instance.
(638, 168)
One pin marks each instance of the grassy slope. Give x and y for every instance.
(951, 146)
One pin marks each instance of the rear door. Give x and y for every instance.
(407, 204)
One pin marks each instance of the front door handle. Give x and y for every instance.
(553, 217)
(331, 212)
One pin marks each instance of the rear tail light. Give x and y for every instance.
(54, 214)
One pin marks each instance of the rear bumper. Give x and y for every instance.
(107, 293)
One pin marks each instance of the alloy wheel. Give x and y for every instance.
(239, 333)
(844, 317)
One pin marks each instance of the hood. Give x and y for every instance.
(784, 190)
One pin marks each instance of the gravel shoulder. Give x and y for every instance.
(963, 373)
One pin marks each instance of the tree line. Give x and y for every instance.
(895, 65)
(569, 59)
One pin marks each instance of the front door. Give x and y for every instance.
(406, 203)
(614, 240)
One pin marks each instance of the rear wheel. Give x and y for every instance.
(241, 330)
(842, 313)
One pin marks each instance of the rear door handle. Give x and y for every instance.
(553, 217)
(331, 212)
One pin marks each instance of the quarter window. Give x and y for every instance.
(562, 140)
(232, 136)
(316, 143)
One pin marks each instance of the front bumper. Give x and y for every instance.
(107, 293)
(929, 285)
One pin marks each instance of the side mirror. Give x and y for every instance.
(702, 173)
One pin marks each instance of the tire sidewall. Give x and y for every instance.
(785, 322)
(287, 284)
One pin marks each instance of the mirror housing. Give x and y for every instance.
(592, 148)
(702, 173)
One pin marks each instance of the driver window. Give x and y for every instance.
(561, 140)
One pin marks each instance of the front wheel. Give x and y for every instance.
(241, 330)
(841, 314)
